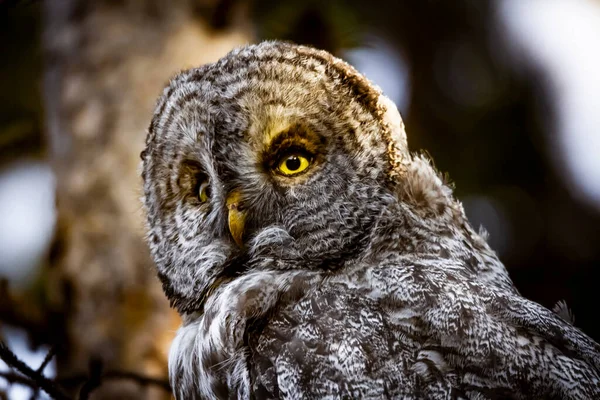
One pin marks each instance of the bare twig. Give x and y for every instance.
(38, 378)
(49, 356)
(20, 314)
(13, 377)
(35, 379)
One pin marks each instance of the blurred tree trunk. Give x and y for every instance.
(106, 63)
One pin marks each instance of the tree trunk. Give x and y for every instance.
(106, 63)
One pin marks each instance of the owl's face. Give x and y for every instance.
(277, 156)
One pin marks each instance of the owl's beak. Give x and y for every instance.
(236, 217)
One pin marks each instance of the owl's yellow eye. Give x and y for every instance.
(204, 192)
(293, 164)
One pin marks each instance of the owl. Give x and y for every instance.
(311, 255)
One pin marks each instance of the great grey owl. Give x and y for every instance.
(312, 256)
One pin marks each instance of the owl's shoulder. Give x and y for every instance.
(414, 329)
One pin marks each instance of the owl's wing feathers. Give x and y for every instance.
(418, 331)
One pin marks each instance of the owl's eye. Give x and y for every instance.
(204, 191)
(293, 164)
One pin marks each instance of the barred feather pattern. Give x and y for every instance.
(361, 278)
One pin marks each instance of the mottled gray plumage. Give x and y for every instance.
(358, 278)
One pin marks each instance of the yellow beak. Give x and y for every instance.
(236, 217)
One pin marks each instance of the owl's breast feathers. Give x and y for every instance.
(399, 329)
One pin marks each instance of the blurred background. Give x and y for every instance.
(504, 95)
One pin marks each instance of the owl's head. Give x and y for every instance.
(276, 156)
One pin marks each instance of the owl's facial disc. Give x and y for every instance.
(309, 146)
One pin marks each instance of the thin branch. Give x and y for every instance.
(49, 356)
(13, 377)
(38, 378)
(35, 379)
